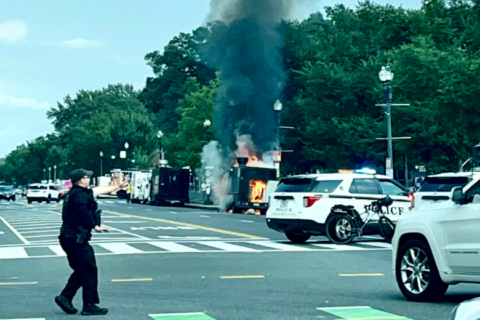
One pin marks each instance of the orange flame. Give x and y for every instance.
(257, 190)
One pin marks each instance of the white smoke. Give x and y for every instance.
(218, 178)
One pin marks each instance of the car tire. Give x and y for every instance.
(29, 201)
(337, 226)
(435, 288)
(297, 238)
(49, 199)
(14, 199)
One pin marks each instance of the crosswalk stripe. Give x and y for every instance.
(172, 246)
(120, 248)
(15, 252)
(279, 246)
(339, 247)
(58, 250)
(226, 246)
(378, 244)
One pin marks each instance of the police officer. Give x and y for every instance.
(80, 216)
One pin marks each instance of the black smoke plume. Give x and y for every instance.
(244, 46)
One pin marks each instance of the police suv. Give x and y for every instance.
(301, 205)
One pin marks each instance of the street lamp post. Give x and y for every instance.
(44, 174)
(160, 136)
(55, 173)
(277, 107)
(208, 172)
(126, 153)
(101, 163)
(49, 174)
(386, 76)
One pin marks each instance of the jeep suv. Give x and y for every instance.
(439, 245)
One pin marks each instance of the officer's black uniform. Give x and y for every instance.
(79, 217)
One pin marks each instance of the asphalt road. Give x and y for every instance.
(173, 263)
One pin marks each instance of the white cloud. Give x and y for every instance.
(12, 31)
(13, 103)
(79, 43)
(28, 103)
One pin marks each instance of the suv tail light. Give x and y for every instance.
(310, 201)
(44, 191)
(411, 197)
(26, 191)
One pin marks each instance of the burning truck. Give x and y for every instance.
(249, 187)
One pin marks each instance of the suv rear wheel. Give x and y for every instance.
(417, 274)
(340, 228)
(297, 237)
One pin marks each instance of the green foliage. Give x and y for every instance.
(184, 148)
(163, 92)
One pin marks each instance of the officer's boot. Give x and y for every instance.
(93, 310)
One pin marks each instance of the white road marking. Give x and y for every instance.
(125, 221)
(205, 216)
(38, 224)
(279, 246)
(44, 236)
(15, 231)
(50, 227)
(15, 252)
(42, 231)
(173, 247)
(378, 244)
(248, 221)
(149, 209)
(226, 246)
(109, 202)
(58, 250)
(120, 248)
(339, 247)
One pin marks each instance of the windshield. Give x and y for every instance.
(443, 184)
(2, 188)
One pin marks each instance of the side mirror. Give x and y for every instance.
(457, 195)
(412, 190)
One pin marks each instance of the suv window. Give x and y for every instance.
(52, 188)
(475, 189)
(326, 186)
(37, 187)
(443, 184)
(364, 186)
(295, 185)
(391, 189)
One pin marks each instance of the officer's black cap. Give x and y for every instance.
(79, 174)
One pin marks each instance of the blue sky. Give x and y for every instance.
(51, 48)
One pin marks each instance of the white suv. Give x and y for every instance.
(439, 245)
(42, 192)
(301, 205)
(437, 188)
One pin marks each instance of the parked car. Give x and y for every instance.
(301, 206)
(7, 193)
(437, 188)
(439, 245)
(42, 192)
